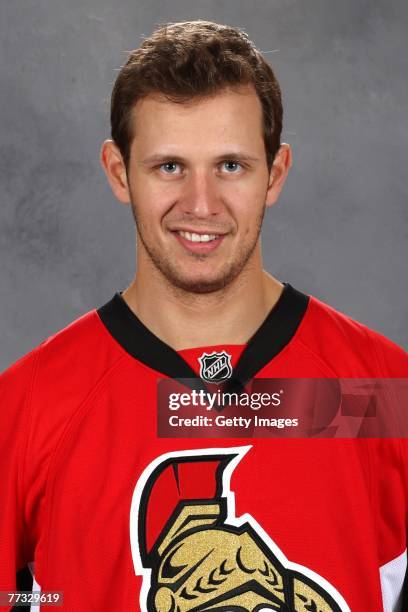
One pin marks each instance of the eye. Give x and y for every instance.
(169, 167)
(232, 166)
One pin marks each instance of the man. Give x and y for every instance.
(105, 507)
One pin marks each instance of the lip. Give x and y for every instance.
(198, 247)
(200, 231)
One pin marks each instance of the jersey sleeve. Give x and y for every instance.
(15, 394)
(392, 358)
(393, 363)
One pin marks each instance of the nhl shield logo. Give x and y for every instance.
(215, 367)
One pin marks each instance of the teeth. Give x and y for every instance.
(198, 237)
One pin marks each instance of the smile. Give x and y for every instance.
(192, 237)
(194, 242)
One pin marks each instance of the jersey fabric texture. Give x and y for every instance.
(119, 519)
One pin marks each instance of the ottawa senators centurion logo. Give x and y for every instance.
(195, 555)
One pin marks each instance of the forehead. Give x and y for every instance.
(230, 117)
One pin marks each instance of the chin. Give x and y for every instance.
(200, 285)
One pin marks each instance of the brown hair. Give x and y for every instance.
(193, 59)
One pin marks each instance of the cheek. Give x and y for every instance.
(148, 191)
(150, 202)
(247, 194)
(247, 213)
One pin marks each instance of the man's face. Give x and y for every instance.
(198, 181)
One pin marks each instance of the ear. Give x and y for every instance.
(115, 170)
(279, 171)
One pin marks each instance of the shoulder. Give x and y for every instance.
(44, 389)
(349, 345)
(64, 365)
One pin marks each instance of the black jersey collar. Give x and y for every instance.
(271, 337)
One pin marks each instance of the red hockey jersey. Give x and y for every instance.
(118, 518)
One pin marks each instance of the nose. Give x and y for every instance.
(201, 196)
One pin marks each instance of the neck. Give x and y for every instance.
(185, 320)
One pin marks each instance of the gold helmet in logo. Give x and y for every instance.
(199, 562)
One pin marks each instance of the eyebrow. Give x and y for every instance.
(158, 157)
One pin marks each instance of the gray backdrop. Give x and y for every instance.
(339, 230)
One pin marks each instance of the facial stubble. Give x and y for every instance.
(172, 275)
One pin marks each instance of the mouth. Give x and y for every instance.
(199, 242)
